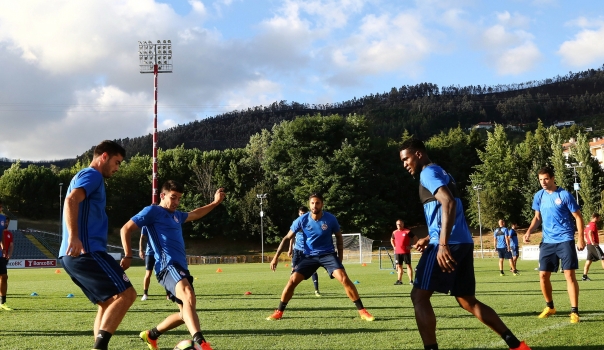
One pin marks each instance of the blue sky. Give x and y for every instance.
(74, 77)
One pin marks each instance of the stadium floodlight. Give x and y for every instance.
(576, 184)
(261, 197)
(61, 208)
(477, 188)
(155, 58)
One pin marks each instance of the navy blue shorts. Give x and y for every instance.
(401, 259)
(551, 253)
(3, 265)
(503, 253)
(309, 264)
(98, 274)
(149, 262)
(515, 251)
(169, 278)
(460, 282)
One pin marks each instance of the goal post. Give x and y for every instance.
(357, 248)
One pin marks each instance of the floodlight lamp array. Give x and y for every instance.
(151, 54)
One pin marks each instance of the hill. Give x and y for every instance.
(423, 110)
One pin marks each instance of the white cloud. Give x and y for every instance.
(510, 49)
(586, 48)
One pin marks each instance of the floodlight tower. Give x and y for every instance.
(155, 58)
(261, 197)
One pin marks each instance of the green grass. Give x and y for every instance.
(232, 320)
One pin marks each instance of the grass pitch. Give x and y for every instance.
(232, 320)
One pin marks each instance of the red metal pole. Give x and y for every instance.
(155, 194)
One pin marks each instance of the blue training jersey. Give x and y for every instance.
(556, 210)
(164, 234)
(500, 233)
(92, 219)
(513, 238)
(299, 241)
(431, 179)
(317, 234)
(148, 248)
(2, 221)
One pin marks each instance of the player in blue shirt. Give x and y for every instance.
(317, 226)
(555, 209)
(501, 244)
(164, 230)
(512, 241)
(296, 251)
(145, 252)
(447, 261)
(83, 248)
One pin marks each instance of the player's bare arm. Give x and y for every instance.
(200, 212)
(339, 244)
(534, 224)
(284, 242)
(126, 234)
(579, 221)
(72, 208)
(448, 206)
(141, 251)
(290, 251)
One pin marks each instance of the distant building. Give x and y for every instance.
(564, 123)
(484, 125)
(596, 147)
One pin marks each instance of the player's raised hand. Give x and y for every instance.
(219, 195)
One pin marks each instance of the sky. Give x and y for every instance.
(70, 74)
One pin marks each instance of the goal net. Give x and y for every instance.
(357, 248)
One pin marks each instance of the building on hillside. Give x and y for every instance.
(596, 147)
(484, 125)
(564, 123)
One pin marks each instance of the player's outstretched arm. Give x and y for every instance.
(579, 221)
(72, 208)
(200, 212)
(284, 242)
(534, 224)
(126, 235)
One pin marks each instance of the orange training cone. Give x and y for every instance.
(364, 264)
(57, 271)
(219, 270)
(286, 265)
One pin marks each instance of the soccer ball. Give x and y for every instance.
(187, 345)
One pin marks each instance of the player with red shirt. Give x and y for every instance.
(401, 242)
(7, 251)
(592, 241)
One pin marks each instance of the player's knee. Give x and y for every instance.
(129, 295)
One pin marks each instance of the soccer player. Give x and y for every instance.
(7, 247)
(401, 241)
(512, 241)
(594, 252)
(317, 226)
(149, 257)
(296, 251)
(447, 261)
(502, 244)
(164, 230)
(554, 209)
(83, 251)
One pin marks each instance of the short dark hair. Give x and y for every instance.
(413, 144)
(595, 215)
(316, 195)
(112, 148)
(546, 170)
(303, 209)
(172, 185)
